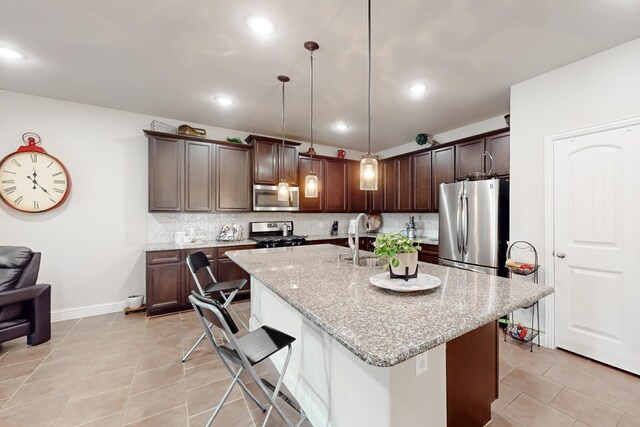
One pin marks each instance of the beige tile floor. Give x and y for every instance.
(116, 370)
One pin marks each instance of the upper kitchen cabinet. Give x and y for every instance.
(498, 147)
(165, 174)
(443, 171)
(190, 174)
(388, 171)
(403, 184)
(271, 162)
(422, 182)
(198, 189)
(311, 204)
(357, 197)
(335, 188)
(469, 157)
(233, 179)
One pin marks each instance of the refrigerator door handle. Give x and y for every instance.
(465, 242)
(458, 223)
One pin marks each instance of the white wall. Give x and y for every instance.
(602, 88)
(92, 246)
(488, 125)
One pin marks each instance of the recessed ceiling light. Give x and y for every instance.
(224, 100)
(342, 127)
(260, 24)
(418, 88)
(11, 54)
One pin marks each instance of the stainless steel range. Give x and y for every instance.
(274, 234)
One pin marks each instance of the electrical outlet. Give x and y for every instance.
(421, 364)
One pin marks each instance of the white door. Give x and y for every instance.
(597, 246)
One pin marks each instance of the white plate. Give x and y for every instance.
(420, 283)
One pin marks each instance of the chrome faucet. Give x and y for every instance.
(355, 245)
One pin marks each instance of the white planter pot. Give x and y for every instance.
(406, 260)
(135, 301)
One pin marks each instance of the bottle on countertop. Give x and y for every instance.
(334, 228)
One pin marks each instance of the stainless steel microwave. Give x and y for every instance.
(265, 198)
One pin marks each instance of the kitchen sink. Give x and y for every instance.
(366, 261)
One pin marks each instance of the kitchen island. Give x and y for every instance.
(370, 357)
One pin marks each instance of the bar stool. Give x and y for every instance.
(246, 352)
(198, 261)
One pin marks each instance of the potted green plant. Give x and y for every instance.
(400, 253)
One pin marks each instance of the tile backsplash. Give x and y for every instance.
(161, 225)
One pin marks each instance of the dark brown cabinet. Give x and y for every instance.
(197, 175)
(165, 174)
(469, 157)
(169, 282)
(388, 171)
(198, 189)
(403, 184)
(498, 147)
(422, 182)
(311, 204)
(265, 163)
(428, 253)
(443, 171)
(335, 188)
(233, 179)
(165, 291)
(358, 199)
(190, 284)
(229, 270)
(272, 162)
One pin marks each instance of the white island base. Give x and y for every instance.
(336, 388)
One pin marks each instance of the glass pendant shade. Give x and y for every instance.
(368, 173)
(283, 191)
(311, 185)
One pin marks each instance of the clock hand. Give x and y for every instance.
(36, 183)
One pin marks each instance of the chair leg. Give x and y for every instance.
(224, 398)
(186, 356)
(273, 397)
(244, 387)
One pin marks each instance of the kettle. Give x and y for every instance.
(286, 229)
(411, 228)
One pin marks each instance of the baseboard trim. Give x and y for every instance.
(86, 311)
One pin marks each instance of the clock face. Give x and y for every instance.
(33, 181)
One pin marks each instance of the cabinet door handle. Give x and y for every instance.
(560, 254)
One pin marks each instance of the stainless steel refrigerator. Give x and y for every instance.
(474, 225)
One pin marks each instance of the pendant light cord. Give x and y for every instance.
(282, 177)
(311, 84)
(369, 83)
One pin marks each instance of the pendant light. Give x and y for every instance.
(311, 180)
(283, 186)
(369, 163)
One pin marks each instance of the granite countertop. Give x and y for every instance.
(169, 246)
(381, 327)
(419, 239)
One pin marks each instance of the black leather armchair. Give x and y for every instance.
(25, 308)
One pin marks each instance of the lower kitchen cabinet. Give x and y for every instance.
(229, 270)
(428, 253)
(169, 281)
(164, 278)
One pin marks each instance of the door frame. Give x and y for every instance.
(549, 207)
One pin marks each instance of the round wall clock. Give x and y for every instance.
(31, 180)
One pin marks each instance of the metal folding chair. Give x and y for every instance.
(246, 352)
(199, 262)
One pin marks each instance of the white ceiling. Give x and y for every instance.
(171, 58)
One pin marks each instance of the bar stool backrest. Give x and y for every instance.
(196, 262)
(212, 311)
